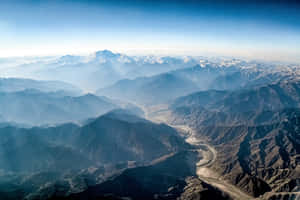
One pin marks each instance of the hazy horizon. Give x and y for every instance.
(250, 29)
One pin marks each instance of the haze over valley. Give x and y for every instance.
(58, 141)
(149, 100)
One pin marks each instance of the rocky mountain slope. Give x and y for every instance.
(256, 134)
(258, 105)
(160, 180)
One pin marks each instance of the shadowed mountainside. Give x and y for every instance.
(158, 181)
(70, 152)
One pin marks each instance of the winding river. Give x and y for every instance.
(208, 156)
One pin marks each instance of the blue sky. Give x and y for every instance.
(268, 30)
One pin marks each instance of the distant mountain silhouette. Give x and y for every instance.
(34, 107)
(19, 84)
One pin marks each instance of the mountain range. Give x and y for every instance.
(104, 146)
(113, 126)
(168, 86)
(20, 84)
(33, 107)
(96, 70)
(255, 132)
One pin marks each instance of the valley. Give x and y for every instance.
(216, 130)
(149, 99)
(208, 156)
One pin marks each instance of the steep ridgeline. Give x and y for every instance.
(69, 157)
(258, 105)
(111, 138)
(229, 77)
(259, 159)
(34, 107)
(165, 87)
(256, 134)
(125, 137)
